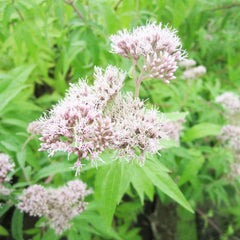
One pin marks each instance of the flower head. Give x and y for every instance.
(35, 127)
(58, 206)
(229, 101)
(194, 73)
(6, 166)
(77, 124)
(173, 128)
(159, 48)
(230, 134)
(138, 129)
(187, 63)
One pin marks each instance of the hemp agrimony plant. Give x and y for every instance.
(92, 119)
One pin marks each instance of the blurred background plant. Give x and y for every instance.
(47, 44)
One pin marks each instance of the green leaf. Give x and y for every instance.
(125, 180)
(18, 77)
(164, 183)
(192, 167)
(168, 143)
(52, 169)
(97, 223)
(175, 116)
(17, 225)
(142, 183)
(4, 208)
(111, 182)
(75, 47)
(92, 44)
(21, 158)
(111, 22)
(202, 130)
(3, 231)
(50, 235)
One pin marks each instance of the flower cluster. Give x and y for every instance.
(139, 129)
(191, 72)
(194, 73)
(93, 118)
(35, 128)
(6, 166)
(77, 124)
(187, 63)
(229, 101)
(153, 48)
(230, 136)
(173, 128)
(58, 206)
(230, 133)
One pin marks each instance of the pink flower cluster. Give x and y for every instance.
(229, 102)
(91, 119)
(231, 134)
(139, 129)
(173, 129)
(77, 124)
(155, 49)
(6, 166)
(58, 206)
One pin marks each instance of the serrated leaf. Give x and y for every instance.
(192, 167)
(168, 143)
(110, 192)
(18, 77)
(142, 183)
(17, 225)
(75, 48)
(175, 116)
(98, 224)
(126, 177)
(108, 188)
(202, 130)
(164, 183)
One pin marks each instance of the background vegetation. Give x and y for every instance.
(47, 44)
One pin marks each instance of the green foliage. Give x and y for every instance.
(17, 224)
(45, 45)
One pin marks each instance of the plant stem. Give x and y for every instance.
(137, 82)
(225, 7)
(17, 10)
(117, 5)
(49, 179)
(75, 9)
(209, 221)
